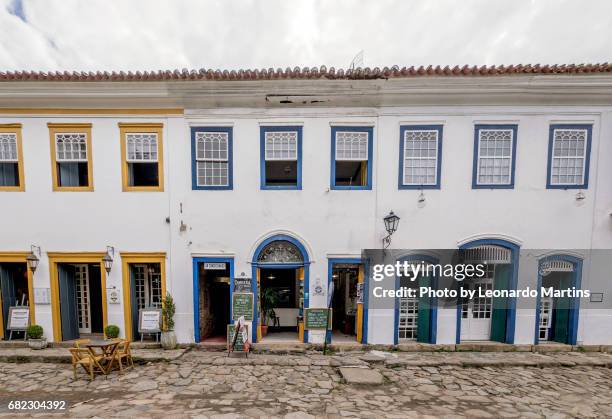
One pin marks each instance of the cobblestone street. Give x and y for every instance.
(207, 384)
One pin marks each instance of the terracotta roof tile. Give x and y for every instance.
(307, 73)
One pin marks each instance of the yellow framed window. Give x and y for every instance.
(11, 158)
(142, 160)
(71, 151)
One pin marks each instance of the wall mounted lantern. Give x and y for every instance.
(391, 222)
(108, 259)
(32, 259)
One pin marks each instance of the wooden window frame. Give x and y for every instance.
(128, 128)
(15, 129)
(81, 128)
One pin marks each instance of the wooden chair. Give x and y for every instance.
(86, 359)
(81, 342)
(123, 352)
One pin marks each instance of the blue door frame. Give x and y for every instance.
(256, 266)
(196, 289)
(330, 267)
(574, 311)
(511, 310)
(434, 301)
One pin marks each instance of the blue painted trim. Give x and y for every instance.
(305, 265)
(332, 181)
(511, 310)
(230, 158)
(366, 300)
(196, 289)
(587, 160)
(262, 157)
(433, 309)
(400, 178)
(477, 128)
(574, 304)
(330, 266)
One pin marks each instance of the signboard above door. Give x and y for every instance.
(242, 284)
(215, 266)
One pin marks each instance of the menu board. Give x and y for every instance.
(149, 320)
(239, 346)
(317, 318)
(242, 305)
(19, 318)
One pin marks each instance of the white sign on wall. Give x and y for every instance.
(42, 296)
(215, 266)
(113, 296)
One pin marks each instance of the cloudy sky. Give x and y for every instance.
(232, 34)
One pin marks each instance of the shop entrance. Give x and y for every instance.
(145, 291)
(280, 292)
(556, 313)
(344, 302)
(15, 292)
(214, 301)
(80, 294)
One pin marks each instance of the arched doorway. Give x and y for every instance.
(280, 285)
(489, 318)
(557, 316)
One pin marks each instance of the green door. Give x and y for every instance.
(561, 313)
(500, 304)
(424, 319)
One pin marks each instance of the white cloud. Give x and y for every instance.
(152, 34)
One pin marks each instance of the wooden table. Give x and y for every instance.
(106, 349)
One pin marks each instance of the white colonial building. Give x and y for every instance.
(204, 183)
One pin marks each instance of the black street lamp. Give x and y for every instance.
(391, 222)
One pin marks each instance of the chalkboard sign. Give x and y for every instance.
(242, 284)
(149, 320)
(19, 318)
(316, 318)
(242, 305)
(239, 346)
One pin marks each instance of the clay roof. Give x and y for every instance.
(307, 73)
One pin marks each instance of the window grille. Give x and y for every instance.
(8, 147)
(212, 161)
(568, 156)
(488, 254)
(420, 157)
(147, 282)
(82, 294)
(141, 147)
(71, 147)
(351, 146)
(408, 318)
(545, 317)
(281, 145)
(494, 156)
(556, 266)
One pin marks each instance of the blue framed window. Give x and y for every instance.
(351, 157)
(494, 156)
(211, 158)
(281, 157)
(420, 158)
(569, 154)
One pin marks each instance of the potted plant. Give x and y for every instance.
(168, 338)
(36, 340)
(269, 299)
(111, 331)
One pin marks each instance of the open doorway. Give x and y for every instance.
(214, 301)
(280, 295)
(344, 302)
(80, 294)
(15, 292)
(554, 323)
(145, 292)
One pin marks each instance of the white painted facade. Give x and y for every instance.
(329, 223)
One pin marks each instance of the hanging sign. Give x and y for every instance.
(19, 318)
(149, 320)
(317, 318)
(242, 284)
(214, 266)
(242, 305)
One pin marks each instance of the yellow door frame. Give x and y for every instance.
(128, 258)
(18, 257)
(66, 257)
(359, 319)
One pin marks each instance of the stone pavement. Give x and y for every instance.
(208, 384)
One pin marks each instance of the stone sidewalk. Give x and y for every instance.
(209, 384)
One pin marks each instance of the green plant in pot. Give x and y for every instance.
(168, 338)
(36, 338)
(111, 331)
(269, 300)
